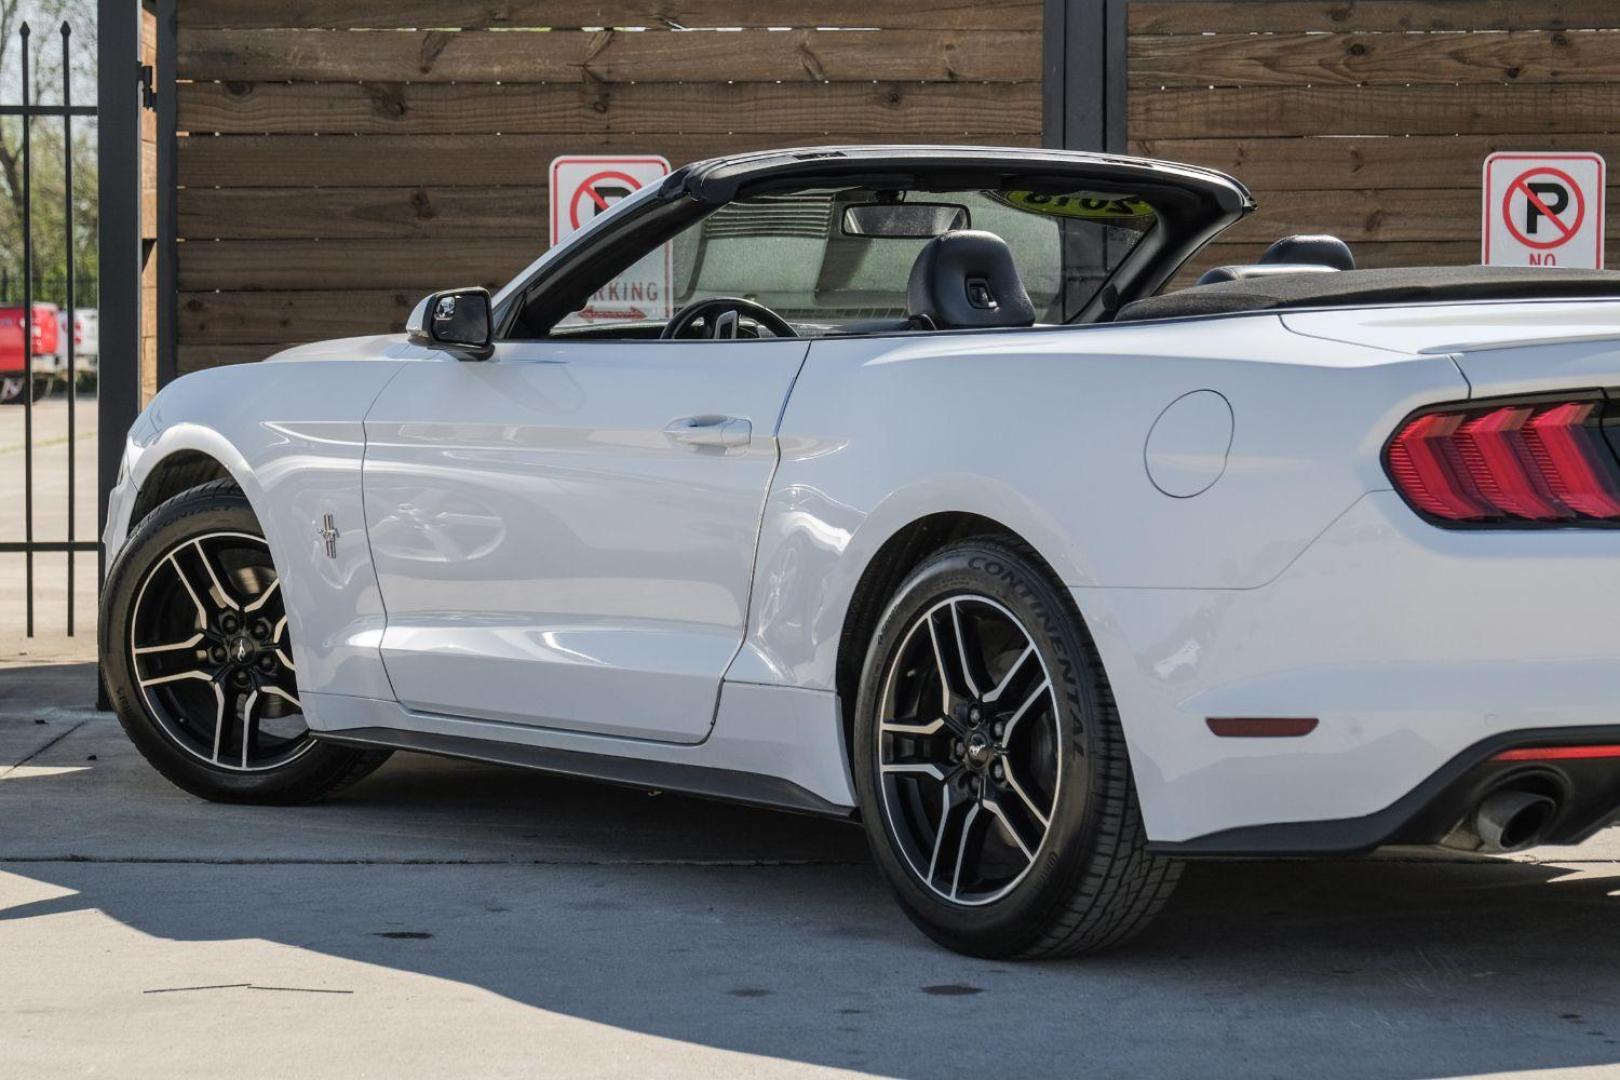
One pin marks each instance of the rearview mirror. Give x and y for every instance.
(905, 221)
(458, 321)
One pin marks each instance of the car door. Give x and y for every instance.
(564, 534)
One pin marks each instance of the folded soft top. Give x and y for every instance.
(1362, 288)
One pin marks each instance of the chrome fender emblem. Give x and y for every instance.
(329, 534)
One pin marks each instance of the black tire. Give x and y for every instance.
(13, 389)
(1090, 882)
(314, 769)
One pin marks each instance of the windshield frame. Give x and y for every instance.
(1193, 206)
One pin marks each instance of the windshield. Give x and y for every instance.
(835, 260)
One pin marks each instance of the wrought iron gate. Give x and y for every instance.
(31, 111)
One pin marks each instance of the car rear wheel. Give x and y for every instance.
(198, 658)
(991, 766)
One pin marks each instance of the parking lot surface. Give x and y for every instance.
(448, 919)
(51, 448)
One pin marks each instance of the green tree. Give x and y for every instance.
(47, 151)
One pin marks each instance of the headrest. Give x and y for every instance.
(967, 279)
(1243, 273)
(1318, 250)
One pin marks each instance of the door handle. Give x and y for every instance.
(723, 431)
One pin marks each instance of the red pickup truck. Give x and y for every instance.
(47, 335)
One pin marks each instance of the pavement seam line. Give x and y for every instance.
(19, 764)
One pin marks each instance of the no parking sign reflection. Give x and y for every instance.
(1544, 209)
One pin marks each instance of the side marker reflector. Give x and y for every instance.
(1261, 727)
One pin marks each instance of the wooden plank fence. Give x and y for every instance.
(1370, 119)
(335, 160)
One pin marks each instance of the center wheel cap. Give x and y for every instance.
(241, 649)
(980, 750)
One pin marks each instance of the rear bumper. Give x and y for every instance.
(1418, 649)
(1587, 792)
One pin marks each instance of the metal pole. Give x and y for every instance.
(28, 332)
(165, 98)
(72, 312)
(118, 150)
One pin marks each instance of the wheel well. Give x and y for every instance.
(180, 471)
(895, 560)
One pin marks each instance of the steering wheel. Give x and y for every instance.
(721, 316)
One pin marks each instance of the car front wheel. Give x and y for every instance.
(198, 659)
(991, 766)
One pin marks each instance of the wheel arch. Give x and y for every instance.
(893, 561)
(175, 472)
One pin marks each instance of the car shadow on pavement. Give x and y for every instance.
(769, 934)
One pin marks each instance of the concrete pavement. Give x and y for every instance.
(51, 448)
(447, 919)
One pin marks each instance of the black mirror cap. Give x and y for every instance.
(457, 321)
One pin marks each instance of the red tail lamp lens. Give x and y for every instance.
(1532, 462)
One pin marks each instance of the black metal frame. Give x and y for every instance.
(119, 156)
(29, 111)
(164, 95)
(1083, 65)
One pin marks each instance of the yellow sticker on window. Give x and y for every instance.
(1092, 207)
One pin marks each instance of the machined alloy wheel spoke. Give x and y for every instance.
(1040, 692)
(190, 643)
(224, 599)
(178, 676)
(1012, 672)
(1012, 782)
(900, 727)
(202, 610)
(962, 847)
(275, 637)
(922, 767)
(994, 807)
(951, 656)
(263, 598)
(276, 691)
(219, 721)
(248, 725)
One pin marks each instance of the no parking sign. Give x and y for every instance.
(586, 185)
(1544, 210)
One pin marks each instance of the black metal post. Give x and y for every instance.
(168, 231)
(118, 81)
(28, 329)
(1083, 69)
(1083, 65)
(72, 312)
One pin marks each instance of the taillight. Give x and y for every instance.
(1545, 461)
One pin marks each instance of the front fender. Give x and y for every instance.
(292, 438)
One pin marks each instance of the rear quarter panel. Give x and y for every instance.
(1044, 431)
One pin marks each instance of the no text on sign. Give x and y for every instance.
(584, 186)
(1544, 209)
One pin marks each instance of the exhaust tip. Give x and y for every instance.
(1512, 819)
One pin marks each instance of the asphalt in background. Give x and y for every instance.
(449, 919)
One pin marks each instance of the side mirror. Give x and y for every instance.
(459, 322)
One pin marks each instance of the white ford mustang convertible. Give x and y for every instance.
(893, 484)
